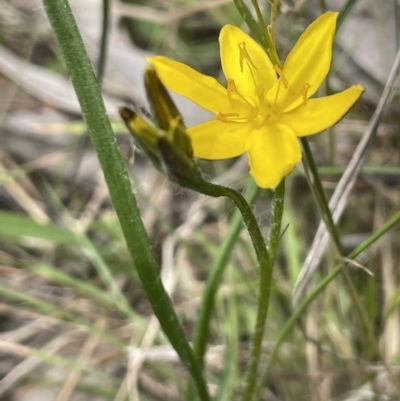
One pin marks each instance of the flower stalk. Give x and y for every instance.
(264, 293)
(119, 185)
(365, 329)
(265, 107)
(166, 153)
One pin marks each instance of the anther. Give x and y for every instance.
(244, 55)
(277, 92)
(226, 117)
(303, 92)
(175, 122)
(231, 88)
(264, 121)
(306, 87)
(281, 76)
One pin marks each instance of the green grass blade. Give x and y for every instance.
(101, 63)
(87, 289)
(317, 290)
(344, 12)
(214, 281)
(56, 311)
(251, 23)
(16, 227)
(116, 176)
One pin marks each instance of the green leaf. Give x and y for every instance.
(251, 23)
(117, 179)
(16, 226)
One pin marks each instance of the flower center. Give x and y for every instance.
(262, 111)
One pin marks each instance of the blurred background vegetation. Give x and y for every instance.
(74, 321)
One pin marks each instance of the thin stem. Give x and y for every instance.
(316, 291)
(248, 217)
(263, 257)
(322, 5)
(260, 17)
(265, 289)
(220, 262)
(274, 12)
(269, 39)
(344, 12)
(103, 42)
(365, 328)
(119, 185)
(84, 140)
(277, 209)
(321, 198)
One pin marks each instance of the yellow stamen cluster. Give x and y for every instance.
(244, 55)
(263, 108)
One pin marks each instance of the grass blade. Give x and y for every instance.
(116, 176)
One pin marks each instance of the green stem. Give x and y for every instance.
(274, 12)
(365, 329)
(265, 261)
(319, 190)
(260, 33)
(220, 262)
(322, 5)
(344, 12)
(271, 50)
(277, 209)
(103, 41)
(214, 280)
(263, 258)
(265, 289)
(117, 179)
(261, 20)
(249, 219)
(316, 291)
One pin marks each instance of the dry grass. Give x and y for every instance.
(75, 323)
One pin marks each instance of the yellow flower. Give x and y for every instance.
(263, 109)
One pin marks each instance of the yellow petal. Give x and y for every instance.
(273, 152)
(201, 89)
(249, 74)
(320, 114)
(308, 62)
(215, 139)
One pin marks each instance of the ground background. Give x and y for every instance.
(61, 246)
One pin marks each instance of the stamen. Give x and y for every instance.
(232, 118)
(281, 76)
(231, 87)
(175, 122)
(244, 55)
(264, 121)
(227, 117)
(303, 91)
(277, 92)
(306, 87)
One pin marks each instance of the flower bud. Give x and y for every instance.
(168, 146)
